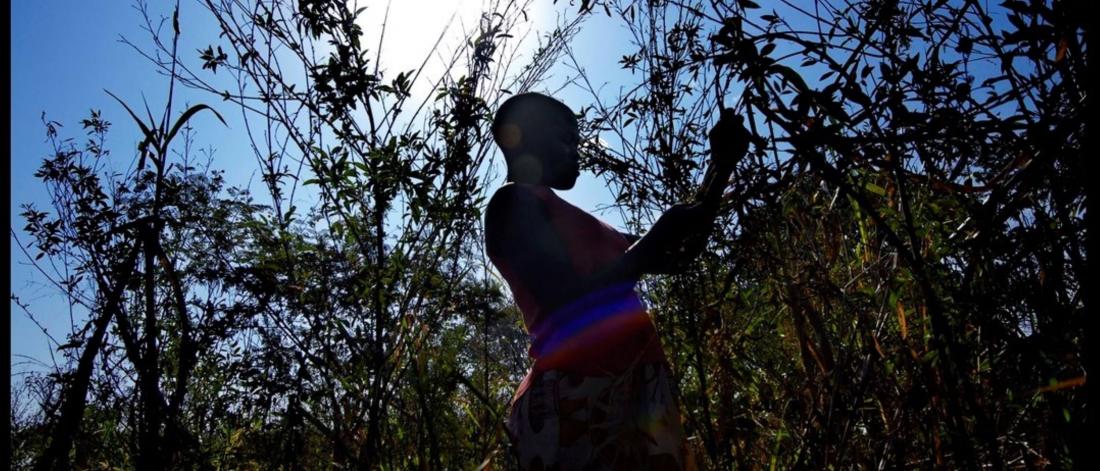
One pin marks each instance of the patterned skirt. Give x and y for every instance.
(567, 421)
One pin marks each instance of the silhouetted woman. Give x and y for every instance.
(599, 395)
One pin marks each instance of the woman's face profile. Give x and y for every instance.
(561, 155)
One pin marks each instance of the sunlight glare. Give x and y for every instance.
(412, 28)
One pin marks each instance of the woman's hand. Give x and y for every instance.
(682, 232)
(729, 140)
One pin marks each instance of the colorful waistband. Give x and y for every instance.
(606, 310)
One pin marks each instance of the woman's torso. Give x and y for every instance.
(602, 333)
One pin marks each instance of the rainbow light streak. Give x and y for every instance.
(594, 317)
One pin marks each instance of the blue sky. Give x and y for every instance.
(63, 57)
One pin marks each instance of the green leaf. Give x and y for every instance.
(150, 136)
(187, 115)
(873, 188)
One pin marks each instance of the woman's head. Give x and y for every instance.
(539, 138)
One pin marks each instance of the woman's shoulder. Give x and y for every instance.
(513, 210)
(512, 190)
(516, 195)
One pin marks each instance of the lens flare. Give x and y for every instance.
(585, 326)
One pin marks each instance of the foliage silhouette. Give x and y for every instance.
(897, 279)
(917, 169)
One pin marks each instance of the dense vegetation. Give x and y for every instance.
(897, 282)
